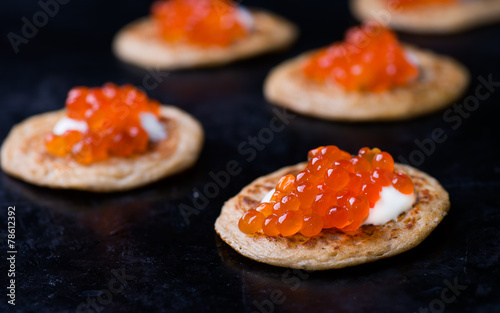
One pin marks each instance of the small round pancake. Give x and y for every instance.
(23, 155)
(441, 81)
(140, 43)
(334, 249)
(429, 19)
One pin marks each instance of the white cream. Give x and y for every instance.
(66, 123)
(268, 196)
(149, 122)
(152, 126)
(245, 17)
(411, 57)
(390, 205)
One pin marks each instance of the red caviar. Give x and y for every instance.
(370, 59)
(112, 117)
(413, 3)
(335, 190)
(199, 22)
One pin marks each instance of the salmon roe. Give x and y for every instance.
(199, 22)
(370, 59)
(413, 3)
(335, 190)
(112, 117)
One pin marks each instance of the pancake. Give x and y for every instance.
(24, 156)
(442, 80)
(331, 248)
(140, 43)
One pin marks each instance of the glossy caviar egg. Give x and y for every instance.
(403, 184)
(306, 193)
(370, 59)
(314, 152)
(265, 208)
(270, 226)
(290, 223)
(277, 195)
(290, 202)
(335, 190)
(251, 222)
(114, 128)
(382, 177)
(383, 160)
(318, 166)
(336, 217)
(323, 202)
(371, 192)
(286, 183)
(360, 164)
(312, 225)
(336, 177)
(358, 208)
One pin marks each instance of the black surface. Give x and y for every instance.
(69, 242)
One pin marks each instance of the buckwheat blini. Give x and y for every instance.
(428, 17)
(365, 217)
(108, 139)
(197, 33)
(369, 77)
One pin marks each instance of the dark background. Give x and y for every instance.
(70, 242)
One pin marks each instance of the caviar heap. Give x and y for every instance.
(413, 3)
(112, 115)
(335, 190)
(199, 22)
(370, 59)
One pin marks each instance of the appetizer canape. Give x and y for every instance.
(370, 76)
(107, 139)
(194, 33)
(333, 211)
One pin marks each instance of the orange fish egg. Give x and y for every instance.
(335, 190)
(112, 116)
(251, 222)
(270, 226)
(199, 22)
